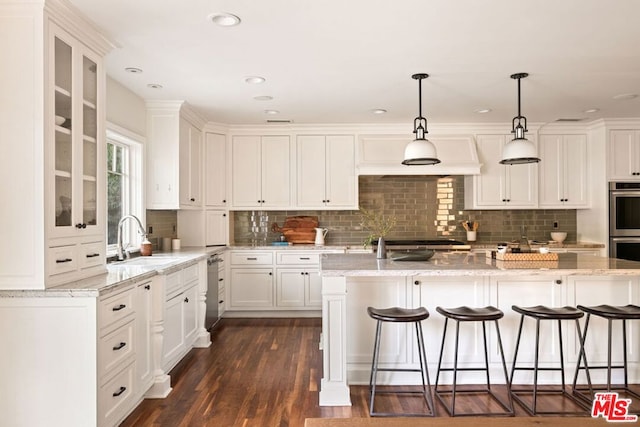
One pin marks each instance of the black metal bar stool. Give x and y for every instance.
(611, 313)
(467, 314)
(404, 315)
(539, 313)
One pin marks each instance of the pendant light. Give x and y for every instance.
(420, 151)
(520, 150)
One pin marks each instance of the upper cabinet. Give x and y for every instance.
(174, 156)
(326, 172)
(215, 171)
(500, 186)
(261, 172)
(624, 155)
(563, 171)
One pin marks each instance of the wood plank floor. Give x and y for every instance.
(262, 372)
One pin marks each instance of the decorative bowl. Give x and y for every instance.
(558, 236)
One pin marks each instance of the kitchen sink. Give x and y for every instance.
(146, 261)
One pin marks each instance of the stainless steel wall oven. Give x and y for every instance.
(624, 220)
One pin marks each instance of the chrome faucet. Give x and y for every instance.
(141, 230)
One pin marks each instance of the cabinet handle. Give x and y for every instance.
(121, 390)
(417, 282)
(119, 346)
(186, 299)
(252, 259)
(558, 282)
(221, 301)
(147, 287)
(221, 280)
(305, 258)
(119, 307)
(92, 255)
(61, 261)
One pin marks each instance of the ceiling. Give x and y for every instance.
(333, 61)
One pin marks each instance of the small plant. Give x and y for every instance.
(377, 224)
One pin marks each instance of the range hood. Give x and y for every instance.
(383, 155)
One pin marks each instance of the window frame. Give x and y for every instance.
(135, 176)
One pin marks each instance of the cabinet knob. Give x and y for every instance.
(558, 282)
(417, 282)
(302, 273)
(186, 299)
(270, 274)
(224, 214)
(81, 225)
(192, 199)
(147, 287)
(224, 201)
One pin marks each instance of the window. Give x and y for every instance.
(124, 184)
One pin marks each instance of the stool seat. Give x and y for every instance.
(629, 311)
(398, 314)
(544, 312)
(468, 314)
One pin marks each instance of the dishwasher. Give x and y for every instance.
(212, 313)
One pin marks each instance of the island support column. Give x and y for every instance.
(334, 390)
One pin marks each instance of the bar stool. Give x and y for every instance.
(611, 313)
(467, 314)
(403, 315)
(539, 313)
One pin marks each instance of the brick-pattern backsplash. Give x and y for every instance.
(425, 207)
(164, 224)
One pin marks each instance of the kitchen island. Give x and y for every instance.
(351, 282)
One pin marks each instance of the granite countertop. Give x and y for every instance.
(121, 274)
(473, 264)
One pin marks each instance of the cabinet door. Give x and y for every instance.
(190, 164)
(489, 188)
(552, 171)
(190, 301)
(522, 184)
(173, 343)
(311, 167)
(144, 366)
(340, 174)
(276, 171)
(246, 171)
(215, 170)
(290, 288)
(576, 180)
(251, 288)
(216, 228)
(313, 295)
(623, 155)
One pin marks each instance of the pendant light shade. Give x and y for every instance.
(420, 151)
(520, 150)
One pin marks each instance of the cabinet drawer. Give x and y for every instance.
(114, 397)
(298, 258)
(115, 347)
(174, 283)
(115, 308)
(91, 254)
(190, 274)
(252, 258)
(62, 259)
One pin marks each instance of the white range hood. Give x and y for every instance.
(383, 155)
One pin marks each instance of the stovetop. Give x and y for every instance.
(436, 244)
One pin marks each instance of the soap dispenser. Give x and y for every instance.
(146, 249)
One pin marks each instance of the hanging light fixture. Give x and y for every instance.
(520, 150)
(420, 151)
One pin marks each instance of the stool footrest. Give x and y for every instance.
(515, 393)
(508, 412)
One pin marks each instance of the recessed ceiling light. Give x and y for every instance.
(254, 79)
(591, 110)
(133, 70)
(482, 110)
(626, 96)
(154, 86)
(271, 112)
(378, 111)
(263, 98)
(224, 19)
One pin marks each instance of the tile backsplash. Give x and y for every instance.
(425, 207)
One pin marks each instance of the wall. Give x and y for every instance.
(125, 108)
(425, 207)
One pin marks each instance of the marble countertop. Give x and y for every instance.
(473, 264)
(120, 274)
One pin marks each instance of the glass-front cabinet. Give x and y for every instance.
(75, 151)
(77, 138)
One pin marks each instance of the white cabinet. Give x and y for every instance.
(251, 288)
(563, 179)
(216, 227)
(75, 211)
(326, 172)
(144, 354)
(174, 156)
(261, 172)
(624, 155)
(215, 170)
(500, 186)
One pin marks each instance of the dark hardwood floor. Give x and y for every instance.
(263, 373)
